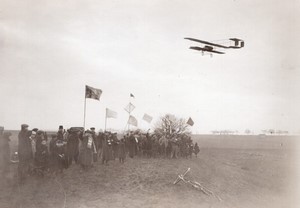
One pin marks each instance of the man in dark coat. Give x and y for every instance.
(196, 149)
(73, 144)
(122, 153)
(106, 149)
(191, 149)
(131, 145)
(24, 152)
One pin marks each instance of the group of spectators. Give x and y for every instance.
(38, 154)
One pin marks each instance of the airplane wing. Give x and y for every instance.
(238, 43)
(207, 43)
(206, 50)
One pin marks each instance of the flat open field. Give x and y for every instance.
(244, 171)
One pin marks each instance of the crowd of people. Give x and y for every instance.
(39, 154)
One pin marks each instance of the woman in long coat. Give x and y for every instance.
(86, 151)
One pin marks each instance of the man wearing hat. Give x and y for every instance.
(61, 133)
(33, 141)
(24, 152)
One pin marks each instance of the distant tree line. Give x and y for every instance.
(248, 132)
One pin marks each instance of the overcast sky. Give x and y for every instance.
(50, 50)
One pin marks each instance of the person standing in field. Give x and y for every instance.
(196, 149)
(42, 154)
(94, 135)
(87, 150)
(122, 153)
(106, 149)
(191, 149)
(131, 145)
(57, 149)
(73, 144)
(24, 152)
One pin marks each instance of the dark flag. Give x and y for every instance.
(190, 122)
(92, 93)
(131, 95)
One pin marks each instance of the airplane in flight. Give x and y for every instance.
(211, 47)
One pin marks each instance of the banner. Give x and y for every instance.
(190, 122)
(132, 120)
(92, 93)
(111, 114)
(147, 118)
(129, 108)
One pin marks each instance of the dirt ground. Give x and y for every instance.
(241, 171)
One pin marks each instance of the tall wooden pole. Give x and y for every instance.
(84, 113)
(105, 119)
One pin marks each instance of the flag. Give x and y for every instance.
(111, 114)
(132, 120)
(131, 95)
(93, 93)
(190, 122)
(129, 108)
(147, 118)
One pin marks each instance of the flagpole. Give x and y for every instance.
(105, 119)
(84, 113)
(129, 112)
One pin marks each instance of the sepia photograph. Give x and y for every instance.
(153, 104)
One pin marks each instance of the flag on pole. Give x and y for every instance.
(129, 108)
(92, 93)
(190, 122)
(132, 120)
(147, 118)
(131, 95)
(111, 114)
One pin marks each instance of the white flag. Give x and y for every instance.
(111, 114)
(147, 118)
(132, 120)
(129, 108)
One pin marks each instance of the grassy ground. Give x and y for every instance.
(242, 171)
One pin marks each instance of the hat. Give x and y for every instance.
(39, 132)
(24, 126)
(60, 127)
(35, 129)
(92, 128)
(88, 131)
